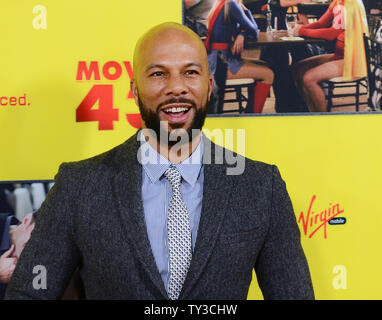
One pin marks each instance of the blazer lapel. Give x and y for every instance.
(127, 188)
(216, 185)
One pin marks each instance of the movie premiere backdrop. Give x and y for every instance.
(64, 96)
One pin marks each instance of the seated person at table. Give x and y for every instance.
(230, 20)
(13, 238)
(309, 72)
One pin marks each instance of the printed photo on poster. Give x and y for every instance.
(282, 57)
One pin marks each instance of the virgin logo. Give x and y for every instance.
(314, 221)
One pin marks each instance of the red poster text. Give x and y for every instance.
(101, 95)
(313, 221)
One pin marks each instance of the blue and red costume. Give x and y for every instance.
(331, 26)
(221, 34)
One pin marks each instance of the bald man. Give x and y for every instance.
(163, 216)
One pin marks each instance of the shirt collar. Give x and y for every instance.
(189, 168)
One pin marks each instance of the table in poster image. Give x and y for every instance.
(276, 49)
(274, 38)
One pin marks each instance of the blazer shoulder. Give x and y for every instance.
(253, 167)
(259, 166)
(238, 165)
(262, 169)
(107, 162)
(260, 174)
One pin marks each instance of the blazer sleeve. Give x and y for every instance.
(51, 247)
(282, 269)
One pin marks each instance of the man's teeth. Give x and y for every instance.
(175, 109)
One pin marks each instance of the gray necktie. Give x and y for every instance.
(179, 235)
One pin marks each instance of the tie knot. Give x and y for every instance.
(173, 176)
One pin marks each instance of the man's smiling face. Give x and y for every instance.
(172, 81)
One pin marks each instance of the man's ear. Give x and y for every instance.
(134, 90)
(210, 84)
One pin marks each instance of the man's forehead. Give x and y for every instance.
(168, 31)
(172, 55)
(176, 43)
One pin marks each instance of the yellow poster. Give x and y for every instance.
(64, 96)
(333, 176)
(64, 80)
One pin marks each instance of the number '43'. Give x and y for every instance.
(105, 114)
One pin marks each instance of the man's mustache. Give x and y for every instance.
(176, 100)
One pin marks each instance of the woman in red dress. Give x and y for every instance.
(310, 72)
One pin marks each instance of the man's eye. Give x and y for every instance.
(157, 74)
(191, 72)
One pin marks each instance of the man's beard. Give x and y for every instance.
(152, 121)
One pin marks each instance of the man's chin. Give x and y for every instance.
(178, 133)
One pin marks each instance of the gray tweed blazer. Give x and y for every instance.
(93, 220)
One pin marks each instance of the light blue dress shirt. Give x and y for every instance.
(156, 196)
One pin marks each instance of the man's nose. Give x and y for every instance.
(176, 86)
